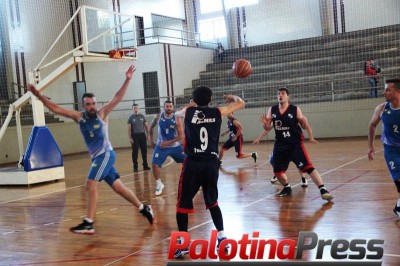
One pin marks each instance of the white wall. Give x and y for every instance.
(185, 69)
(361, 14)
(277, 21)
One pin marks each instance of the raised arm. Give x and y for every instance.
(53, 107)
(119, 95)
(182, 111)
(233, 103)
(266, 120)
(376, 118)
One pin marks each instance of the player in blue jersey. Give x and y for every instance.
(389, 113)
(168, 137)
(93, 124)
(201, 168)
(287, 121)
(235, 130)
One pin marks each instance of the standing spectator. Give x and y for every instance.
(389, 113)
(93, 124)
(371, 70)
(137, 125)
(220, 51)
(170, 132)
(287, 121)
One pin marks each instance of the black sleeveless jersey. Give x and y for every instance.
(202, 129)
(286, 125)
(231, 127)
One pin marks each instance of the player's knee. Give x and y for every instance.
(397, 183)
(310, 170)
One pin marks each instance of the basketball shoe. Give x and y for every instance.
(147, 212)
(325, 195)
(396, 210)
(85, 228)
(179, 253)
(159, 189)
(274, 179)
(304, 182)
(226, 246)
(286, 191)
(254, 155)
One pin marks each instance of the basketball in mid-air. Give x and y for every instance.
(241, 68)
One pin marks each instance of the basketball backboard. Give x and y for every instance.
(105, 30)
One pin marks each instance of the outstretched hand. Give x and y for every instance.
(129, 72)
(33, 90)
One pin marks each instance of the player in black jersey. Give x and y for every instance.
(235, 140)
(200, 168)
(287, 121)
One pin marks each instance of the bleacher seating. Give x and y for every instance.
(313, 69)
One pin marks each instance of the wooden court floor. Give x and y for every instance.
(34, 221)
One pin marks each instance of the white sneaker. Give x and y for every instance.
(304, 182)
(274, 179)
(159, 189)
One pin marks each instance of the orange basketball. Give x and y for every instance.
(241, 68)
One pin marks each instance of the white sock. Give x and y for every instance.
(158, 182)
(141, 207)
(221, 234)
(398, 203)
(89, 220)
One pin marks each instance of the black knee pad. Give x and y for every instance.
(310, 170)
(397, 183)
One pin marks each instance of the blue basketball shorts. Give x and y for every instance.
(160, 155)
(392, 158)
(103, 168)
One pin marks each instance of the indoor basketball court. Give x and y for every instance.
(35, 220)
(44, 194)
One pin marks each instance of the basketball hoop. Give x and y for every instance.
(122, 53)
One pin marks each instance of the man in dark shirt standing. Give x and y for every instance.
(137, 125)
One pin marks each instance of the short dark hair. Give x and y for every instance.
(87, 95)
(284, 89)
(395, 81)
(135, 104)
(167, 101)
(202, 95)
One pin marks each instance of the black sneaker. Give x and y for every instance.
(147, 212)
(254, 155)
(146, 168)
(179, 253)
(226, 247)
(325, 195)
(135, 170)
(396, 210)
(286, 191)
(85, 228)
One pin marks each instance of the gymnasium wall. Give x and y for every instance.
(326, 122)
